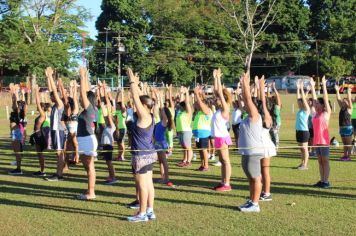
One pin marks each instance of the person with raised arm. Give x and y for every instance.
(57, 127)
(276, 112)
(183, 127)
(237, 114)
(321, 133)
(107, 137)
(143, 151)
(15, 128)
(120, 121)
(345, 125)
(38, 138)
(269, 147)
(251, 147)
(87, 142)
(301, 125)
(202, 127)
(161, 144)
(171, 106)
(220, 132)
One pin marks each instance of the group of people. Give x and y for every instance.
(76, 127)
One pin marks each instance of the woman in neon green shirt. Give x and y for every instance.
(120, 123)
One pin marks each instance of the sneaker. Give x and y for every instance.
(111, 181)
(187, 164)
(302, 167)
(151, 215)
(120, 158)
(134, 205)
(181, 164)
(194, 157)
(325, 185)
(345, 158)
(264, 197)
(39, 174)
(244, 205)
(218, 163)
(218, 186)
(318, 184)
(212, 158)
(250, 207)
(169, 184)
(202, 168)
(138, 218)
(54, 178)
(15, 172)
(223, 188)
(13, 163)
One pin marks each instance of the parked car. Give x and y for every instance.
(348, 82)
(288, 82)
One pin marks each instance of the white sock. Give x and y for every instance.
(149, 209)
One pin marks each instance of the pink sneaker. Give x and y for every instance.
(181, 164)
(223, 188)
(120, 158)
(187, 164)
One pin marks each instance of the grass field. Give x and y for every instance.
(32, 206)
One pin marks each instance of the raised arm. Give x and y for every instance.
(267, 115)
(326, 98)
(278, 97)
(304, 98)
(108, 106)
(246, 95)
(312, 85)
(75, 97)
(58, 100)
(187, 102)
(142, 113)
(84, 87)
(61, 89)
(349, 100)
(204, 107)
(225, 105)
(338, 97)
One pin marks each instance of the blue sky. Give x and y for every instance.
(94, 7)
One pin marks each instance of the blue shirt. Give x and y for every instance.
(301, 123)
(159, 132)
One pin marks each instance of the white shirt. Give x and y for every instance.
(236, 116)
(219, 128)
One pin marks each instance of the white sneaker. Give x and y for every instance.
(13, 163)
(249, 207)
(212, 158)
(151, 215)
(218, 163)
(194, 157)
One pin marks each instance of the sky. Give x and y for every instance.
(94, 8)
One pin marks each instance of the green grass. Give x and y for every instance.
(30, 206)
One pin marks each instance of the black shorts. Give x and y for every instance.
(58, 139)
(39, 140)
(119, 135)
(236, 129)
(143, 170)
(311, 133)
(129, 126)
(353, 122)
(302, 136)
(202, 142)
(107, 152)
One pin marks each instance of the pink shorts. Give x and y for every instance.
(220, 141)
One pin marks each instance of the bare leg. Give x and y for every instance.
(266, 178)
(88, 163)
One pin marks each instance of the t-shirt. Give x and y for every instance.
(301, 123)
(250, 137)
(219, 127)
(55, 118)
(236, 116)
(159, 132)
(85, 122)
(277, 112)
(353, 116)
(121, 119)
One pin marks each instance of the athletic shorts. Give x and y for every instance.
(161, 146)
(16, 135)
(220, 141)
(141, 164)
(323, 151)
(236, 129)
(346, 131)
(251, 164)
(353, 122)
(311, 133)
(58, 139)
(302, 136)
(185, 138)
(120, 135)
(72, 127)
(129, 126)
(107, 152)
(202, 142)
(143, 170)
(87, 145)
(39, 140)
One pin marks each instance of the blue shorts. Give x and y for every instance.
(16, 135)
(346, 131)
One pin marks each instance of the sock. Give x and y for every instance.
(267, 194)
(255, 203)
(149, 209)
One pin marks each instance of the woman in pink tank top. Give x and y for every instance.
(321, 133)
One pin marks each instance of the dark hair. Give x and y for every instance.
(170, 124)
(51, 94)
(183, 105)
(91, 97)
(146, 100)
(322, 102)
(71, 103)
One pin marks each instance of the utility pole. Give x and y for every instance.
(120, 49)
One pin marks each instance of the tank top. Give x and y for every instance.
(277, 113)
(121, 119)
(320, 128)
(142, 139)
(85, 122)
(219, 127)
(301, 122)
(159, 132)
(55, 118)
(344, 117)
(100, 117)
(202, 125)
(353, 116)
(183, 122)
(47, 122)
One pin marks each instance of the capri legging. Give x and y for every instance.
(251, 165)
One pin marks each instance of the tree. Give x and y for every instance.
(336, 67)
(251, 18)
